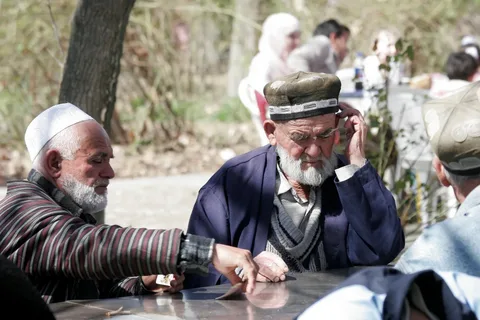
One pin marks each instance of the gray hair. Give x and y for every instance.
(458, 180)
(66, 142)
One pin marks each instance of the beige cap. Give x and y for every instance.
(453, 126)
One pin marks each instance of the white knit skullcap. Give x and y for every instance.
(466, 40)
(49, 123)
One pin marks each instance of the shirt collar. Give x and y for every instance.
(59, 197)
(470, 202)
(283, 185)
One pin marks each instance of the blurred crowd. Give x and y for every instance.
(281, 52)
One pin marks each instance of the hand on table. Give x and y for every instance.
(271, 267)
(150, 282)
(226, 259)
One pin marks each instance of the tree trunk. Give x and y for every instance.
(93, 61)
(243, 44)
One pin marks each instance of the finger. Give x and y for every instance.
(232, 277)
(357, 119)
(176, 287)
(344, 106)
(349, 128)
(348, 112)
(162, 288)
(277, 260)
(270, 269)
(348, 124)
(179, 278)
(262, 278)
(176, 284)
(251, 277)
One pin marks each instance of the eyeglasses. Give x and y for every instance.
(303, 138)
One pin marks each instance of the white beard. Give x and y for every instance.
(85, 196)
(312, 176)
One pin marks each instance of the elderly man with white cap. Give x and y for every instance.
(46, 226)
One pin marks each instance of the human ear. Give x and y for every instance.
(269, 126)
(440, 171)
(53, 163)
(332, 36)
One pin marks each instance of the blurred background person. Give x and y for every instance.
(325, 51)
(280, 36)
(470, 46)
(460, 69)
(383, 46)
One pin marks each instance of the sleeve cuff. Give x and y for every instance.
(346, 172)
(402, 266)
(195, 254)
(143, 289)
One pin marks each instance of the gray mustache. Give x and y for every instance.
(101, 183)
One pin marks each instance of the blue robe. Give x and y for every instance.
(381, 292)
(359, 218)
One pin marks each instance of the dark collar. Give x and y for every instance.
(59, 197)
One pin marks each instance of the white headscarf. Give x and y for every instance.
(275, 30)
(268, 64)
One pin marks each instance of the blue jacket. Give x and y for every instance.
(450, 245)
(385, 293)
(360, 225)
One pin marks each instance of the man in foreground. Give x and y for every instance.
(385, 293)
(295, 203)
(46, 226)
(453, 126)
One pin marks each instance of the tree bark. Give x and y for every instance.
(92, 67)
(243, 44)
(93, 60)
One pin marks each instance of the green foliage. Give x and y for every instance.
(160, 85)
(433, 27)
(383, 153)
(15, 114)
(232, 110)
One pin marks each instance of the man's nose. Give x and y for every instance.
(313, 150)
(108, 172)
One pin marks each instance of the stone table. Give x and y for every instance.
(282, 300)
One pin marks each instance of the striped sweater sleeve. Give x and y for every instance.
(45, 240)
(121, 288)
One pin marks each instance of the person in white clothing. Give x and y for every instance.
(460, 69)
(383, 46)
(280, 36)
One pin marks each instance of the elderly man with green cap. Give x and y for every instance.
(453, 126)
(295, 203)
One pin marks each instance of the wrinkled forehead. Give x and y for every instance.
(325, 121)
(93, 138)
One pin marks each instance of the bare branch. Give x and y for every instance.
(55, 28)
